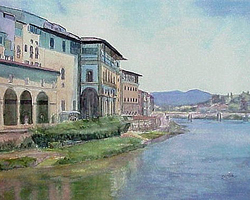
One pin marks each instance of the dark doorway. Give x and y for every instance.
(26, 108)
(89, 103)
(10, 108)
(42, 108)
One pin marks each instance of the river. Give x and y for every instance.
(211, 161)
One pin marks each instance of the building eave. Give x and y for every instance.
(94, 40)
(8, 62)
(129, 72)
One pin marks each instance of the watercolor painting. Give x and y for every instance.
(122, 99)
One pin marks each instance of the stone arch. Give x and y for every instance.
(10, 107)
(89, 103)
(42, 108)
(26, 108)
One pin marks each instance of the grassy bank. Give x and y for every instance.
(98, 149)
(153, 134)
(102, 145)
(108, 147)
(7, 164)
(78, 131)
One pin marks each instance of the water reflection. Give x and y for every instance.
(97, 180)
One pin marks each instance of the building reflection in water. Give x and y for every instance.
(105, 184)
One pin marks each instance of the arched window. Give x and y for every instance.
(62, 74)
(103, 74)
(18, 51)
(52, 43)
(89, 76)
(31, 51)
(36, 52)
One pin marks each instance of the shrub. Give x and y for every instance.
(82, 130)
(6, 164)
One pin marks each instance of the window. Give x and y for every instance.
(1, 40)
(127, 99)
(42, 82)
(26, 48)
(62, 74)
(74, 105)
(75, 47)
(103, 74)
(31, 41)
(90, 51)
(31, 51)
(11, 77)
(34, 30)
(52, 43)
(124, 99)
(63, 46)
(18, 51)
(89, 76)
(63, 105)
(26, 81)
(36, 52)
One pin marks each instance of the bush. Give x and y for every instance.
(6, 164)
(82, 130)
(13, 144)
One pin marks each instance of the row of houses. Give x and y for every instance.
(45, 70)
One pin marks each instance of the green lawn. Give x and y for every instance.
(153, 134)
(98, 149)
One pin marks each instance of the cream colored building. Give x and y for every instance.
(129, 97)
(28, 95)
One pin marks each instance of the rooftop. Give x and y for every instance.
(8, 62)
(92, 40)
(129, 72)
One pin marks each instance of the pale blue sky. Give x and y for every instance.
(175, 45)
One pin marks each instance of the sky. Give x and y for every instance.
(175, 45)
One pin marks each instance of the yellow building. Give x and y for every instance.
(28, 94)
(129, 97)
(46, 58)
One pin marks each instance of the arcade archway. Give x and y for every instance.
(26, 108)
(42, 108)
(10, 108)
(89, 103)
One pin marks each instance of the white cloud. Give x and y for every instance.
(177, 47)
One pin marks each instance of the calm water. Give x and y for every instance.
(212, 161)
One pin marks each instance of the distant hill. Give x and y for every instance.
(178, 98)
